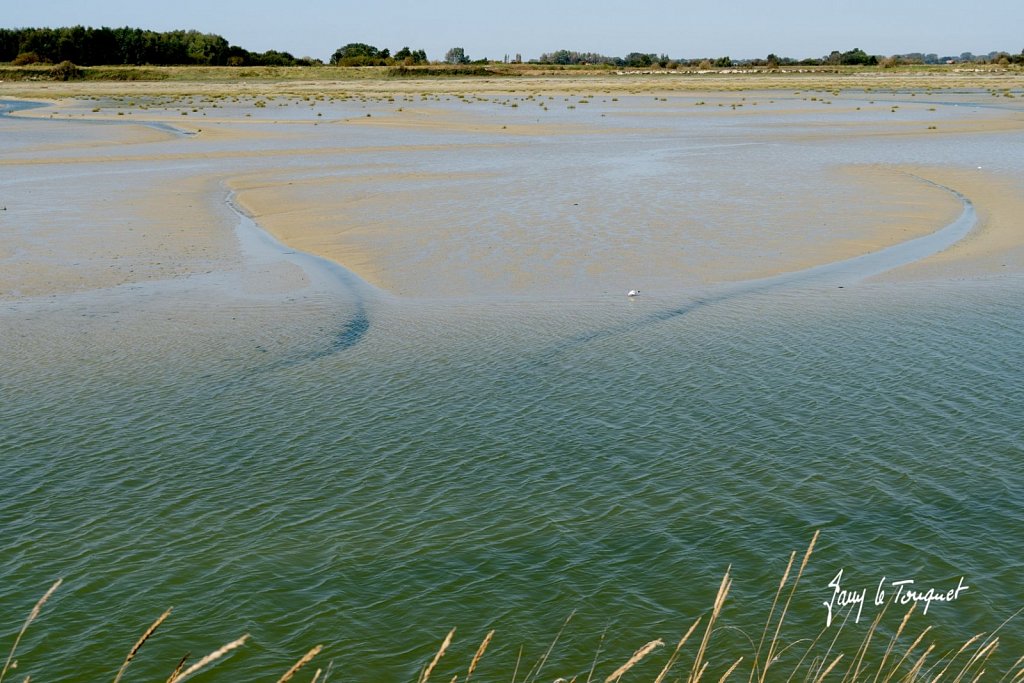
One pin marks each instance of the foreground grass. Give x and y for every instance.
(876, 659)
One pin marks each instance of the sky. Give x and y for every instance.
(739, 28)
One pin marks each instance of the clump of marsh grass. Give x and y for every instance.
(814, 660)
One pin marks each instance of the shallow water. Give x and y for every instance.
(332, 463)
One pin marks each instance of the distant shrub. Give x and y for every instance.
(443, 71)
(113, 73)
(26, 58)
(66, 71)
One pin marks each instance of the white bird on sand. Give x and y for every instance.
(633, 292)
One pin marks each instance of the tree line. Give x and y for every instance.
(855, 57)
(114, 46)
(121, 46)
(639, 60)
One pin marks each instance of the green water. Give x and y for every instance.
(367, 471)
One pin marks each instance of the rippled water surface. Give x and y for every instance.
(344, 466)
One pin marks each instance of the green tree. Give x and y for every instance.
(858, 57)
(407, 56)
(456, 55)
(359, 54)
(639, 59)
(558, 57)
(272, 58)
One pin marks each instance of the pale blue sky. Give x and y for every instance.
(740, 28)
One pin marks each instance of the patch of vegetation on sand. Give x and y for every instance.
(448, 71)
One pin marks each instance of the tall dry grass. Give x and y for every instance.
(810, 660)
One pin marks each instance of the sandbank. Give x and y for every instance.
(416, 235)
(445, 233)
(994, 247)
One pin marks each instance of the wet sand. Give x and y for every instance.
(109, 231)
(416, 233)
(402, 239)
(995, 246)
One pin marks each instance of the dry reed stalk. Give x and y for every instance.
(316, 676)
(479, 653)
(782, 617)
(967, 644)
(210, 658)
(306, 658)
(982, 654)
(142, 641)
(810, 648)
(675, 655)
(454, 678)
(913, 646)
(912, 674)
(771, 613)
(826, 672)
(437, 657)
(993, 635)
(593, 665)
(31, 617)
(1005, 622)
(177, 669)
(832, 645)
(519, 658)
(1010, 670)
(862, 651)
(723, 590)
(892, 641)
(634, 660)
(535, 672)
(731, 669)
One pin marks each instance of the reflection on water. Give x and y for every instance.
(318, 461)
